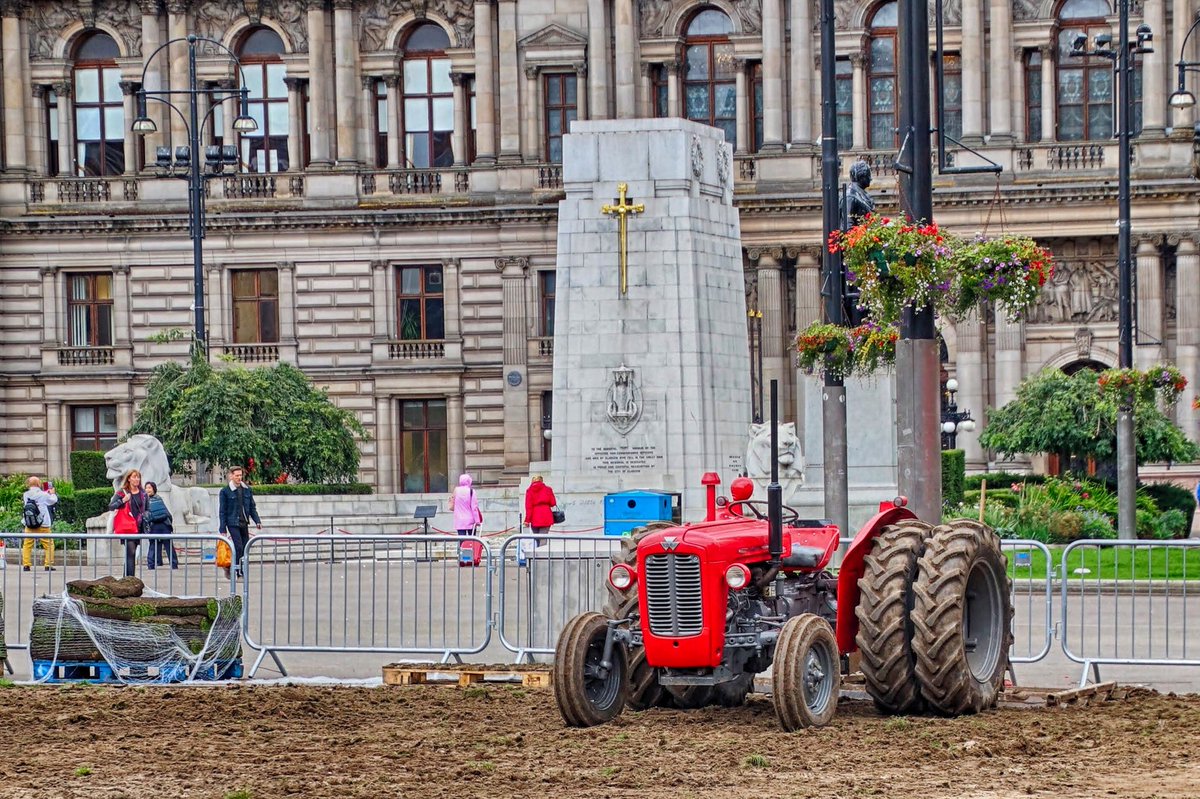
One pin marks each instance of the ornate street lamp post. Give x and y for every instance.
(954, 421)
(185, 163)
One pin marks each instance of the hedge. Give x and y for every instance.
(90, 502)
(954, 467)
(1000, 496)
(305, 488)
(1001, 480)
(88, 469)
(1168, 496)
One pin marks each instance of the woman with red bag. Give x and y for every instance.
(130, 504)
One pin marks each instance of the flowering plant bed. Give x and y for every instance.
(897, 264)
(846, 351)
(1162, 380)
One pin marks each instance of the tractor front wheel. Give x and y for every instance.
(806, 673)
(586, 692)
(962, 618)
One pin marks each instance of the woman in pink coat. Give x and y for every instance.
(465, 507)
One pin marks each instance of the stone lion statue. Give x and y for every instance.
(791, 458)
(145, 453)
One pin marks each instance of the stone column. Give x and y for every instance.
(1187, 329)
(742, 106)
(16, 86)
(970, 367)
(120, 308)
(295, 143)
(1049, 128)
(451, 269)
(673, 91)
(770, 303)
(366, 130)
(646, 106)
(385, 436)
(1148, 348)
(57, 459)
(220, 329)
(462, 120)
(1017, 98)
(513, 272)
(625, 59)
(581, 89)
(1000, 67)
(485, 86)
(861, 102)
(231, 108)
(533, 116)
(1154, 72)
(801, 76)
(345, 53)
(808, 310)
(772, 66)
(124, 416)
(380, 321)
(151, 40)
(39, 160)
(510, 89)
(972, 71)
(1182, 17)
(177, 28)
(52, 304)
(130, 142)
(319, 63)
(1010, 358)
(66, 130)
(287, 310)
(456, 458)
(597, 54)
(393, 111)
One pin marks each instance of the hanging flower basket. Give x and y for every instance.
(846, 351)
(896, 264)
(1164, 381)
(1196, 404)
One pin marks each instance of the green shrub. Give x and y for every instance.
(1000, 480)
(91, 502)
(1168, 496)
(1065, 526)
(954, 466)
(1097, 525)
(1005, 497)
(1171, 524)
(1147, 524)
(305, 488)
(88, 469)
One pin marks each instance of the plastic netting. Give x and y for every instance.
(166, 639)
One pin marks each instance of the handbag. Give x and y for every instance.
(124, 522)
(558, 515)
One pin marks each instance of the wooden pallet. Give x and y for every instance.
(1056, 697)
(462, 677)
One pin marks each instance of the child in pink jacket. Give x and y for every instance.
(465, 507)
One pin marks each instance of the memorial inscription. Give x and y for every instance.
(624, 460)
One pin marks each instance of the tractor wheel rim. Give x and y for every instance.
(601, 692)
(983, 612)
(816, 682)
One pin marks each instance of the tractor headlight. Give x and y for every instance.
(737, 577)
(621, 577)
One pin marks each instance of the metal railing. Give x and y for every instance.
(361, 593)
(1129, 603)
(253, 353)
(1032, 598)
(86, 356)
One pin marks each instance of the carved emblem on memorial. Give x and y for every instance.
(697, 158)
(624, 400)
(723, 166)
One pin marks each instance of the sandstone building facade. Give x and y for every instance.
(392, 229)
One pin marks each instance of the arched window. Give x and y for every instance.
(1085, 85)
(710, 78)
(99, 107)
(428, 98)
(881, 80)
(266, 149)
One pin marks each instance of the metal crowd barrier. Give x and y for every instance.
(367, 594)
(1032, 598)
(1129, 603)
(89, 556)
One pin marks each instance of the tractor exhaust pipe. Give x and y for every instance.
(774, 490)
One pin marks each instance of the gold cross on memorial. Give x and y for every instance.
(622, 210)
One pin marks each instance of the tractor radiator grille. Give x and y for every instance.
(673, 602)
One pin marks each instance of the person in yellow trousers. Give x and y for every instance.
(36, 502)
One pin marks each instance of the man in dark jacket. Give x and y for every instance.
(236, 511)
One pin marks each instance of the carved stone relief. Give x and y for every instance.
(375, 20)
(124, 16)
(1025, 9)
(46, 22)
(1081, 291)
(214, 18)
(653, 15)
(750, 12)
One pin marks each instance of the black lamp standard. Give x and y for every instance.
(1181, 97)
(1123, 61)
(954, 421)
(186, 162)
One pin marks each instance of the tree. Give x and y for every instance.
(271, 420)
(1068, 415)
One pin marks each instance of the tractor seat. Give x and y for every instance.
(802, 557)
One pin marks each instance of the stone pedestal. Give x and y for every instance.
(651, 385)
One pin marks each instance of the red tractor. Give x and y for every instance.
(695, 611)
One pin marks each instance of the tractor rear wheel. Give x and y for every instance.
(644, 690)
(806, 673)
(962, 618)
(587, 695)
(884, 628)
(691, 697)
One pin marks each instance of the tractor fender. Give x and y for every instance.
(852, 569)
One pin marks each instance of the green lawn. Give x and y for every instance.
(1146, 562)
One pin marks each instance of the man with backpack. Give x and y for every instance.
(35, 516)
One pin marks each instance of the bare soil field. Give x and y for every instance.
(503, 741)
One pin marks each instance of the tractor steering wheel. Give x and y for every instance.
(760, 510)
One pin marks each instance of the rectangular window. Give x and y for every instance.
(471, 133)
(1033, 96)
(756, 88)
(844, 102)
(90, 310)
(255, 306)
(381, 124)
(562, 105)
(423, 446)
(658, 87)
(546, 282)
(420, 303)
(547, 419)
(51, 132)
(952, 94)
(93, 427)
